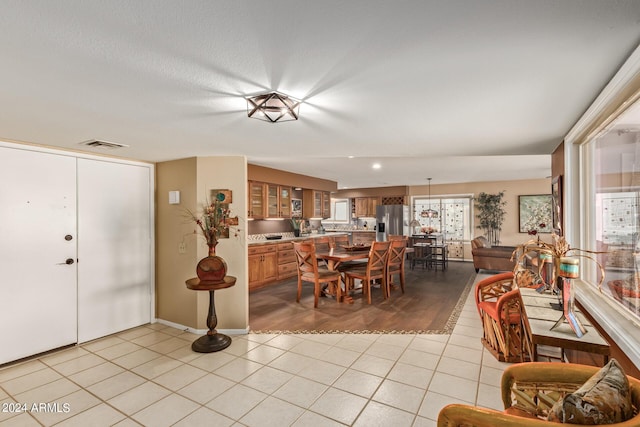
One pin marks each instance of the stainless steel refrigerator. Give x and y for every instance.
(392, 220)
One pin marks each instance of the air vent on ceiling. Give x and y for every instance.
(103, 144)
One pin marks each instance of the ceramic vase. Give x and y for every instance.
(212, 268)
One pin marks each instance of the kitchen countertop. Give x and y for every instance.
(292, 239)
(329, 230)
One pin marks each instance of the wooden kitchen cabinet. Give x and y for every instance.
(263, 265)
(269, 200)
(316, 204)
(284, 201)
(257, 205)
(326, 204)
(366, 207)
(286, 261)
(271, 262)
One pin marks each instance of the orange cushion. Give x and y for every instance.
(491, 308)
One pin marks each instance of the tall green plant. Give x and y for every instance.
(491, 215)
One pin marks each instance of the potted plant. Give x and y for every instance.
(296, 222)
(491, 215)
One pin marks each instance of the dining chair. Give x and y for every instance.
(439, 256)
(393, 237)
(340, 240)
(323, 244)
(500, 308)
(309, 271)
(422, 253)
(395, 263)
(375, 269)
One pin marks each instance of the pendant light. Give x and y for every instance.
(430, 213)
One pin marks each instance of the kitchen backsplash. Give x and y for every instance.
(275, 227)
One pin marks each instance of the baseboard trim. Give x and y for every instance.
(201, 331)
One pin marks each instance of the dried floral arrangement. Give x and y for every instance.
(559, 248)
(215, 220)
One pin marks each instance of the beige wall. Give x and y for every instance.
(174, 302)
(510, 234)
(194, 177)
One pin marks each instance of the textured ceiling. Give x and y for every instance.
(455, 90)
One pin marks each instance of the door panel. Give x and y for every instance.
(114, 228)
(37, 289)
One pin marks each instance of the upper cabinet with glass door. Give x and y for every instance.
(257, 208)
(278, 201)
(316, 204)
(285, 201)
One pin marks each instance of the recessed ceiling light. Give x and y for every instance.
(350, 157)
(376, 166)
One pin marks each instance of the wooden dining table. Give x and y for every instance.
(336, 256)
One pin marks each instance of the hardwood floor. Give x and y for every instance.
(427, 305)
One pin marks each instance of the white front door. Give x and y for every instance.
(114, 229)
(38, 239)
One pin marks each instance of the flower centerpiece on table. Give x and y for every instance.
(428, 230)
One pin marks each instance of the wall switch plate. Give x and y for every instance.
(182, 248)
(174, 197)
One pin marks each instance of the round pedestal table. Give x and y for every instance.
(213, 341)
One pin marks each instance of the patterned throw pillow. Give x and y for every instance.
(603, 399)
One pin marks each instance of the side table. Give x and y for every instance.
(213, 341)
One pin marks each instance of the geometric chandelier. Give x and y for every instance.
(273, 107)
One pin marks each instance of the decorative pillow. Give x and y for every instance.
(603, 399)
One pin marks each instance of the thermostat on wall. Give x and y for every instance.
(174, 197)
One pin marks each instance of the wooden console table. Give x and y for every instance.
(213, 341)
(541, 317)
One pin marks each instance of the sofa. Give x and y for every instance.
(490, 257)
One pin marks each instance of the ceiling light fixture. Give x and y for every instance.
(429, 213)
(273, 107)
(376, 166)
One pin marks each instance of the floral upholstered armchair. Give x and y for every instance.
(544, 393)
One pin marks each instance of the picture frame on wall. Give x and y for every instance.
(556, 197)
(296, 208)
(535, 213)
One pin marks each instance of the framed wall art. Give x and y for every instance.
(535, 213)
(296, 208)
(556, 197)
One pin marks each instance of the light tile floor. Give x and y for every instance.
(150, 376)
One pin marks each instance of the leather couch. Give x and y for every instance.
(490, 257)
